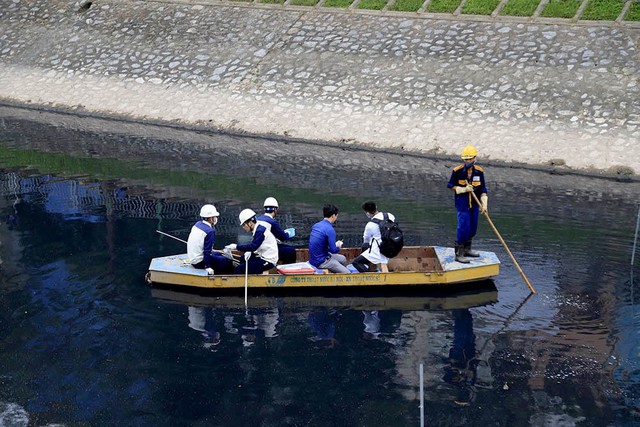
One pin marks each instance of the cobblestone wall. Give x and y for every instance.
(520, 92)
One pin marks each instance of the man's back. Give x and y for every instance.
(319, 242)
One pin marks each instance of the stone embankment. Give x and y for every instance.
(520, 92)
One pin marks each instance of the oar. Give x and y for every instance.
(247, 255)
(233, 258)
(486, 214)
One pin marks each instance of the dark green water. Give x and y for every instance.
(85, 342)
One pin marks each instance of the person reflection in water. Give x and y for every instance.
(323, 323)
(463, 363)
(371, 325)
(202, 319)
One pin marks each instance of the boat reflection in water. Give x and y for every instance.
(406, 328)
(383, 316)
(483, 293)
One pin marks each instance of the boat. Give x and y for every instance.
(415, 266)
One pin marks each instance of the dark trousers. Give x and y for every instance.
(361, 264)
(256, 266)
(467, 224)
(286, 254)
(219, 263)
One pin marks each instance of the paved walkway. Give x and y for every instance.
(532, 93)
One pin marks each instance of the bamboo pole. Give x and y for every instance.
(495, 230)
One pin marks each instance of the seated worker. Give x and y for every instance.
(323, 247)
(371, 241)
(200, 244)
(286, 253)
(263, 247)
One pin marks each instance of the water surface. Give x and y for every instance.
(86, 342)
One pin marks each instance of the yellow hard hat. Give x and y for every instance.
(469, 152)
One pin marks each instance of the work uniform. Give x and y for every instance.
(466, 205)
(264, 249)
(286, 253)
(200, 249)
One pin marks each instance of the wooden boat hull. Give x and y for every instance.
(414, 266)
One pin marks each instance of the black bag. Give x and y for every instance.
(392, 238)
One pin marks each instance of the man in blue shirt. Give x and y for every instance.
(465, 179)
(286, 253)
(323, 247)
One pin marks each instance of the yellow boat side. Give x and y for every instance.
(437, 267)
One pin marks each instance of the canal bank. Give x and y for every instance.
(539, 94)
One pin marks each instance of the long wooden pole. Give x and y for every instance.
(233, 258)
(173, 237)
(495, 230)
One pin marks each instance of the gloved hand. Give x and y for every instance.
(231, 247)
(339, 243)
(466, 189)
(209, 271)
(247, 255)
(291, 232)
(484, 199)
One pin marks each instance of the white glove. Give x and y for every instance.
(209, 271)
(484, 199)
(231, 247)
(291, 232)
(339, 243)
(466, 189)
(247, 255)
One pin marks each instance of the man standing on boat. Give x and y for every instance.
(323, 247)
(263, 247)
(465, 179)
(200, 244)
(286, 253)
(371, 240)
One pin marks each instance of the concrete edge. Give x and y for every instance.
(189, 127)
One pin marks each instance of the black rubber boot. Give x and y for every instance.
(469, 252)
(460, 254)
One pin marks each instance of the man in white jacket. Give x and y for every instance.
(371, 241)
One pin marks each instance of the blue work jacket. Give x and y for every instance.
(459, 178)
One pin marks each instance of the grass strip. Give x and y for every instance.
(561, 9)
(337, 3)
(602, 10)
(407, 5)
(272, 1)
(519, 8)
(480, 7)
(633, 14)
(443, 6)
(372, 4)
(304, 2)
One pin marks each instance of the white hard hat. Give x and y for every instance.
(208, 211)
(270, 202)
(246, 215)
